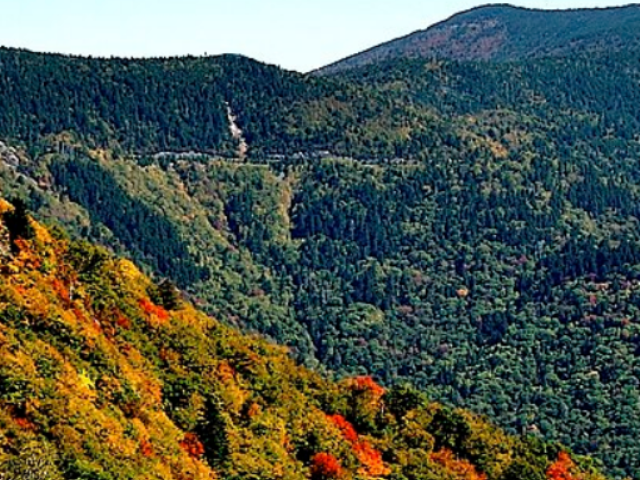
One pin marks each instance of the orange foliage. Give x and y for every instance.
(462, 292)
(151, 308)
(366, 396)
(61, 290)
(226, 372)
(169, 356)
(21, 290)
(79, 314)
(325, 466)
(254, 410)
(367, 384)
(371, 460)
(345, 427)
(369, 457)
(26, 257)
(561, 468)
(192, 445)
(460, 468)
(122, 321)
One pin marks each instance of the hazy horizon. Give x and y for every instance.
(290, 34)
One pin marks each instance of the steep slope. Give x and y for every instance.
(105, 375)
(505, 32)
(441, 274)
(144, 210)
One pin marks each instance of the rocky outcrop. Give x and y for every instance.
(9, 156)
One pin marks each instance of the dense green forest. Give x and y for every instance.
(180, 105)
(467, 227)
(408, 110)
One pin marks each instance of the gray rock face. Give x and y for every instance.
(5, 244)
(9, 156)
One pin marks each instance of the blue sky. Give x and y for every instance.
(295, 34)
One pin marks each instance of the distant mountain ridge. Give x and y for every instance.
(504, 32)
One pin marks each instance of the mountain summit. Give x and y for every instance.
(505, 32)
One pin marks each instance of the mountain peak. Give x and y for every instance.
(504, 32)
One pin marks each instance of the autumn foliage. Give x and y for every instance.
(461, 468)
(369, 457)
(368, 385)
(84, 378)
(146, 448)
(25, 424)
(192, 445)
(325, 466)
(561, 469)
(154, 310)
(347, 430)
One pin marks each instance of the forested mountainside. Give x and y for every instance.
(108, 375)
(510, 287)
(481, 242)
(407, 110)
(506, 33)
(181, 105)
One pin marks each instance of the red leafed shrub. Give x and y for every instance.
(79, 314)
(369, 457)
(561, 468)
(345, 427)
(146, 448)
(122, 321)
(325, 466)
(192, 445)
(25, 424)
(152, 309)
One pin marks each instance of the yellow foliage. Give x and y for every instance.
(70, 383)
(86, 381)
(5, 206)
(130, 274)
(42, 234)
